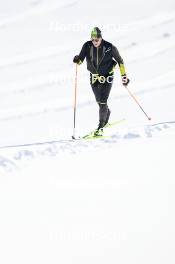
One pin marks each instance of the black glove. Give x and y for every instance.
(125, 80)
(76, 59)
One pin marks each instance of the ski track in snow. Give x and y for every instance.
(53, 107)
(39, 55)
(14, 157)
(39, 9)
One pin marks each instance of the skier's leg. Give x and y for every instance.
(103, 114)
(104, 109)
(108, 115)
(101, 92)
(101, 100)
(96, 90)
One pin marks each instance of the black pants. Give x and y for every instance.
(101, 92)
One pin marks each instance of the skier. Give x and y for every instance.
(101, 57)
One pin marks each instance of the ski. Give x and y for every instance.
(102, 136)
(115, 123)
(94, 137)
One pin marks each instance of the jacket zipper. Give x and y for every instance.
(98, 64)
(92, 60)
(102, 58)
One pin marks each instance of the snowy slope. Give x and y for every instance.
(108, 200)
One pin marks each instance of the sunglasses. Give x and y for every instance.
(95, 40)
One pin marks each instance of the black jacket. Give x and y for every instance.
(100, 60)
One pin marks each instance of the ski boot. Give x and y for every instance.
(99, 131)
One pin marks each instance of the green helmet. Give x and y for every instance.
(96, 33)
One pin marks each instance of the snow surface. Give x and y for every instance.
(109, 200)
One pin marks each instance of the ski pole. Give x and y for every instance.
(149, 118)
(75, 100)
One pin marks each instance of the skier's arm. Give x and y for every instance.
(80, 58)
(82, 54)
(119, 60)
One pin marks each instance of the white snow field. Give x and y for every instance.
(108, 200)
